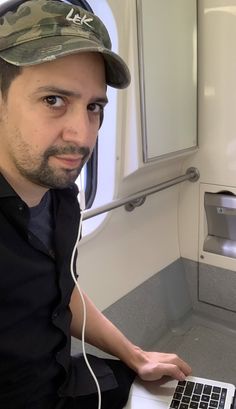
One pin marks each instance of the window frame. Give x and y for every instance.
(91, 171)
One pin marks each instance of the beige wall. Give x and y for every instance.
(216, 159)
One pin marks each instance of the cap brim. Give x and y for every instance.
(44, 49)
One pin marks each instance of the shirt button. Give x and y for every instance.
(20, 208)
(55, 315)
(52, 253)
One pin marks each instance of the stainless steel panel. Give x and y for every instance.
(220, 211)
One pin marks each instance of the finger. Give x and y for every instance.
(163, 369)
(172, 370)
(176, 360)
(183, 366)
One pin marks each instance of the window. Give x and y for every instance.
(89, 175)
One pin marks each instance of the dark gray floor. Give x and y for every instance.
(204, 333)
(208, 346)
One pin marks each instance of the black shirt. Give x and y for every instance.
(35, 291)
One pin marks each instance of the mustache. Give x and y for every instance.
(83, 151)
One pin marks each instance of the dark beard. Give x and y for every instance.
(44, 175)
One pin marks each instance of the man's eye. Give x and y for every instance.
(54, 101)
(96, 108)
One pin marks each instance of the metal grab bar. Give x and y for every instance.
(137, 199)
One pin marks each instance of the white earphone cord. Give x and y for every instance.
(83, 301)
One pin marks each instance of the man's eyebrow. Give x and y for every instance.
(68, 93)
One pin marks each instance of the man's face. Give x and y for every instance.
(50, 120)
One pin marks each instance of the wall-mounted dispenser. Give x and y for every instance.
(220, 211)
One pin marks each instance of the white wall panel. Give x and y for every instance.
(130, 248)
(216, 158)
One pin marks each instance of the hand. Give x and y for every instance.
(154, 365)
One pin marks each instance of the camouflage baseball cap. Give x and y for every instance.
(43, 30)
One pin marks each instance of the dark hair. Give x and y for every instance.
(8, 72)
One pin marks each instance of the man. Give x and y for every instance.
(55, 64)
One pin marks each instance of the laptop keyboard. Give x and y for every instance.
(198, 396)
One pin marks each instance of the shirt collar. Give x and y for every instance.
(7, 191)
(5, 188)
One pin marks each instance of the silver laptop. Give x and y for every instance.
(193, 393)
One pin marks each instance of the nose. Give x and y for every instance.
(78, 128)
